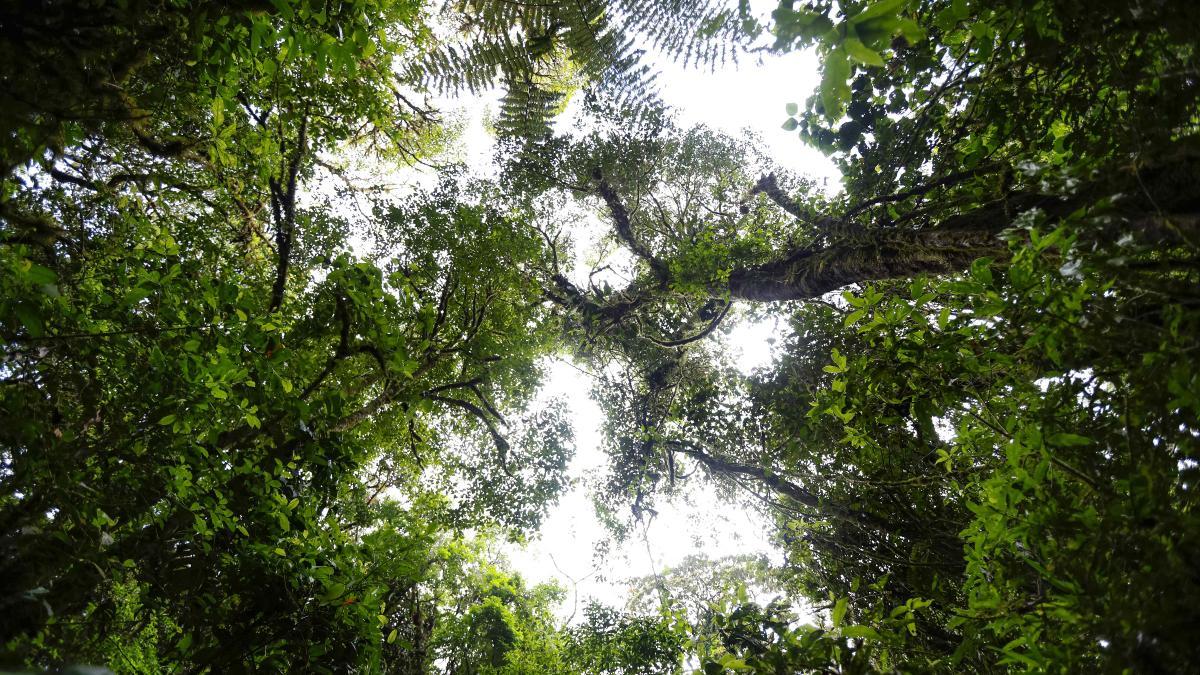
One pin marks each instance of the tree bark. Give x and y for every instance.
(855, 254)
(807, 274)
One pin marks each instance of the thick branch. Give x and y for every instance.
(620, 216)
(76, 180)
(860, 255)
(366, 411)
(631, 298)
(810, 274)
(784, 487)
(768, 186)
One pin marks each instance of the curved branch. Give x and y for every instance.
(501, 444)
(718, 465)
(698, 336)
(366, 411)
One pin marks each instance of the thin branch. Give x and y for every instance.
(501, 444)
(574, 586)
(946, 181)
(698, 336)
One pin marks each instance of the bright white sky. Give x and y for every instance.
(750, 97)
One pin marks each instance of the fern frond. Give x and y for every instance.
(521, 47)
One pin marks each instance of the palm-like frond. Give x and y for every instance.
(530, 48)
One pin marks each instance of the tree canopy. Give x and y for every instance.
(259, 414)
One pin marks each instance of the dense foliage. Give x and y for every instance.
(259, 414)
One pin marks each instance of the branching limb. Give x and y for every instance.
(343, 348)
(551, 246)
(75, 180)
(452, 385)
(620, 216)
(366, 411)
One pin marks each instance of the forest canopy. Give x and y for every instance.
(260, 414)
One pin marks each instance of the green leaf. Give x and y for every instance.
(877, 10)
(860, 631)
(218, 111)
(839, 611)
(861, 53)
(943, 318)
(835, 92)
(981, 270)
(31, 319)
(392, 635)
(333, 592)
(1069, 440)
(40, 276)
(790, 124)
(911, 31)
(285, 8)
(792, 109)
(168, 419)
